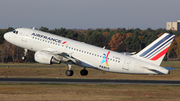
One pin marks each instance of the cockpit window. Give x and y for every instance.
(14, 31)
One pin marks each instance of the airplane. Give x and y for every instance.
(50, 49)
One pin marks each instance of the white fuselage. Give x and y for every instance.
(90, 56)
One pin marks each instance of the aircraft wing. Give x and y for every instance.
(61, 56)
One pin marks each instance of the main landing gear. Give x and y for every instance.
(70, 72)
(84, 72)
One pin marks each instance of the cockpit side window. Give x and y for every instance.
(14, 31)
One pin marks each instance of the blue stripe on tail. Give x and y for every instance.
(155, 45)
(161, 46)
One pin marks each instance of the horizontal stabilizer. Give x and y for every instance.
(169, 68)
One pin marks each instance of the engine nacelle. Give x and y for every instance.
(45, 58)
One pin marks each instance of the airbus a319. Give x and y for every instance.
(51, 49)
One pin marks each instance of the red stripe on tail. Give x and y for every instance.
(160, 54)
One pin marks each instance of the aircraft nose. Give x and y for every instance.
(6, 36)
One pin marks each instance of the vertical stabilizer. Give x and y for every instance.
(155, 52)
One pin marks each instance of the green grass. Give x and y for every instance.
(90, 92)
(171, 64)
(36, 70)
(82, 92)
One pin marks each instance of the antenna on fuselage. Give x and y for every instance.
(34, 28)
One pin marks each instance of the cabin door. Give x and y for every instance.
(126, 64)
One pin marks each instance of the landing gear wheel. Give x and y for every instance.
(69, 72)
(84, 72)
(23, 58)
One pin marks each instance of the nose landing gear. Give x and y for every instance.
(25, 54)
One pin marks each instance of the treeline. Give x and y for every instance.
(120, 40)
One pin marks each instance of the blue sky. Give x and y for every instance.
(84, 14)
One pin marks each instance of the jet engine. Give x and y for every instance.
(45, 58)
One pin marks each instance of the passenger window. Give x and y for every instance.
(118, 61)
(97, 55)
(16, 32)
(84, 51)
(77, 49)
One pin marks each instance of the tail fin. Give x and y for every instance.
(156, 51)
